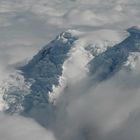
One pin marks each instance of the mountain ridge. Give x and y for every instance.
(67, 57)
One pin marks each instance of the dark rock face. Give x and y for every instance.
(46, 68)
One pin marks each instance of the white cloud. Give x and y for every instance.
(105, 112)
(89, 12)
(27, 25)
(20, 128)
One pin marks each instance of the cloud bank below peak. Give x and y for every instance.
(20, 128)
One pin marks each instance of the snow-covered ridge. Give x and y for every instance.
(64, 61)
(47, 66)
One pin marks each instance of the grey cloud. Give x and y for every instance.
(20, 128)
(109, 111)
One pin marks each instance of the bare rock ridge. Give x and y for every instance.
(46, 68)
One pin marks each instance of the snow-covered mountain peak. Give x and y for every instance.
(64, 58)
(69, 58)
(42, 73)
(67, 36)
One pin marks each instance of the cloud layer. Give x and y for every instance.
(20, 128)
(109, 111)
